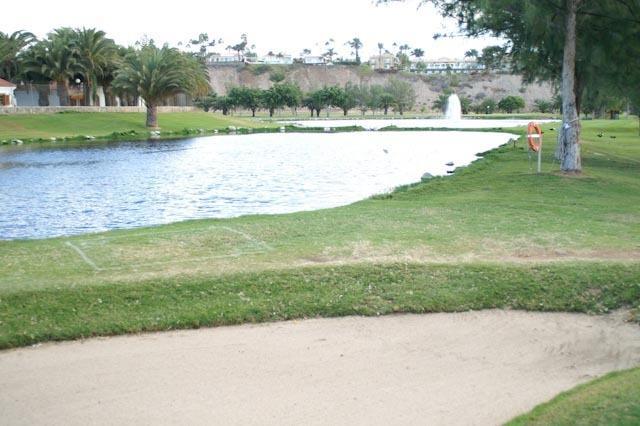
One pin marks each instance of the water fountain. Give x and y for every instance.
(454, 109)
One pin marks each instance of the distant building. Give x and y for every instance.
(446, 65)
(225, 59)
(279, 59)
(7, 97)
(314, 60)
(386, 61)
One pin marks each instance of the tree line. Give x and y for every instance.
(87, 57)
(396, 95)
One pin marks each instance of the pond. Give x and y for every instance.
(59, 189)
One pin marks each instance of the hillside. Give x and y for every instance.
(427, 87)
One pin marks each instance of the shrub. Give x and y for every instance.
(510, 104)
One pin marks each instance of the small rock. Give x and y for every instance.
(451, 172)
(16, 141)
(282, 129)
(450, 163)
(89, 138)
(53, 139)
(327, 129)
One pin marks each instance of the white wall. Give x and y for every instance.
(9, 91)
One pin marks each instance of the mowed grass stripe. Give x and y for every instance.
(30, 317)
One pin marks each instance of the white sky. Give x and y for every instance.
(278, 25)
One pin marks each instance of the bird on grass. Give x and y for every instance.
(600, 134)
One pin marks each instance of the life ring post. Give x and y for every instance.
(534, 140)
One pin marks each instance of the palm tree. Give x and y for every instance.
(156, 73)
(355, 44)
(56, 60)
(417, 53)
(329, 54)
(105, 79)
(10, 46)
(95, 54)
(32, 71)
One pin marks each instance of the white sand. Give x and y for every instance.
(469, 368)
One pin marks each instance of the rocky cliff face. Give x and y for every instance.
(427, 87)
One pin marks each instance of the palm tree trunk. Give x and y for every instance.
(43, 94)
(152, 116)
(62, 88)
(569, 135)
(88, 94)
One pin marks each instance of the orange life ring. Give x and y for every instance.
(534, 136)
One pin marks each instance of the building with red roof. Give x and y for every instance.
(7, 97)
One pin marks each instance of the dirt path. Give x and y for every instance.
(469, 368)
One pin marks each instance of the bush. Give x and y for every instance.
(277, 76)
(487, 106)
(543, 106)
(510, 104)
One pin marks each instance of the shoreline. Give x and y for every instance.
(273, 126)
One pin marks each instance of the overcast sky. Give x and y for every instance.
(278, 25)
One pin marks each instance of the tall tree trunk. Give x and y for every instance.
(62, 87)
(569, 135)
(152, 116)
(43, 94)
(88, 94)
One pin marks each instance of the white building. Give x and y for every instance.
(313, 60)
(279, 59)
(446, 65)
(224, 59)
(7, 97)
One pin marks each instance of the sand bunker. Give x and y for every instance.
(468, 368)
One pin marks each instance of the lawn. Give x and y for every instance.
(97, 124)
(612, 400)
(493, 235)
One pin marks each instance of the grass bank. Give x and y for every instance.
(610, 400)
(493, 235)
(101, 125)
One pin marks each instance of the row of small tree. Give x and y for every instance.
(396, 94)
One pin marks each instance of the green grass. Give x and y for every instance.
(443, 238)
(612, 400)
(98, 124)
(71, 312)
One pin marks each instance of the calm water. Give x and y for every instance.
(434, 123)
(54, 189)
